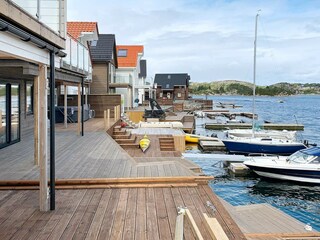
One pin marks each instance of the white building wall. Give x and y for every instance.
(13, 46)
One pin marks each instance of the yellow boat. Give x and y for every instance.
(144, 143)
(192, 138)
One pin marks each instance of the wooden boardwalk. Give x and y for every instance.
(130, 213)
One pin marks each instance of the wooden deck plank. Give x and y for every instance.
(152, 223)
(162, 215)
(106, 226)
(187, 233)
(67, 215)
(119, 218)
(223, 217)
(193, 210)
(75, 220)
(141, 215)
(130, 220)
(84, 225)
(95, 226)
(65, 202)
(171, 210)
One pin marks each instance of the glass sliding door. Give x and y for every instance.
(3, 116)
(14, 111)
(9, 114)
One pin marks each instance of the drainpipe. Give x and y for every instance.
(82, 104)
(52, 132)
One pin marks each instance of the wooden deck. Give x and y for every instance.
(130, 213)
(95, 155)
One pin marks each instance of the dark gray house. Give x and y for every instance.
(104, 63)
(173, 86)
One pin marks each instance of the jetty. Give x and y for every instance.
(268, 126)
(106, 191)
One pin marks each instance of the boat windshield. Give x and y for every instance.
(300, 158)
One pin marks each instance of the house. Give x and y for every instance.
(32, 71)
(172, 86)
(131, 74)
(105, 63)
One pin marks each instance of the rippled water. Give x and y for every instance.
(299, 201)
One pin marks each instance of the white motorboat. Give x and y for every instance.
(302, 166)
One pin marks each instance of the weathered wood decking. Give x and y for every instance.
(134, 213)
(95, 155)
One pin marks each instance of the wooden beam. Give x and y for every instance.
(115, 113)
(106, 121)
(194, 228)
(36, 119)
(214, 228)
(65, 105)
(43, 138)
(283, 235)
(178, 234)
(79, 109)
(108, 117)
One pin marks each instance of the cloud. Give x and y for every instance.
(213, 40)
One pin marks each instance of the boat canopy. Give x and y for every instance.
(315, 151)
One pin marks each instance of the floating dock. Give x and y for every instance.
(207, 145)
(267, 126)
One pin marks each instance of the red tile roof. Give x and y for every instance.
(132, 55)
(76, 28)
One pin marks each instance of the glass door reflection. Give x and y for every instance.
(3, 116)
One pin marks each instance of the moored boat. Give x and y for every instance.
(262, 145)
(302, 166)
(193, 138)
(290, 135)
(144, 143)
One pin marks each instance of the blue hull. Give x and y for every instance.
(248, 148)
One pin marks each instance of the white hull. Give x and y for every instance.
(286, 177)
(262, 134)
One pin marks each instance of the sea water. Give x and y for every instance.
(298, 200)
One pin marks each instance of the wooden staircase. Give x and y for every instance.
(124, 138)
(166, 144)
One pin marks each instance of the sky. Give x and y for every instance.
(213, 40)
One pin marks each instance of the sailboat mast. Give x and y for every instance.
(254, 73)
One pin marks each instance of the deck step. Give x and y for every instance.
(120, 136)
(166, 144)
(129, 145)
(120, 132)
(129, 140)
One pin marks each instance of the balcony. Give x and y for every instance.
(49, 12)
(78, 58)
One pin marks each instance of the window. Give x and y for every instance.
(94, 43)
(179, 94)
(29, 98)
(167, 85)
(122, 52)
(169, 76)
(161, 94)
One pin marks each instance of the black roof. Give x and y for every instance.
(169, 80)
(102, 50)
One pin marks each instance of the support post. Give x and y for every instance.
(79, 109)
(108, 117)
(52, 134)
(105, 120)
(65, 105)
(115, 113)
(42, 115)
(36, 103)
